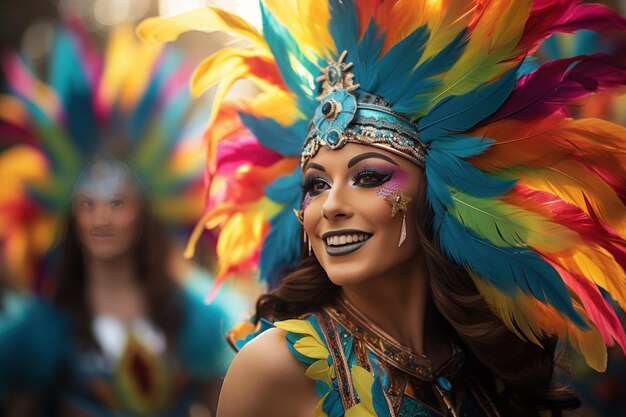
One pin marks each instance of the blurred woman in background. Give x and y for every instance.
(120, 337)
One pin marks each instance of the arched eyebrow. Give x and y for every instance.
(368, 155)
(315, 166)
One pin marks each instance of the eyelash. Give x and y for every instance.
(379, 179)
(310, 183)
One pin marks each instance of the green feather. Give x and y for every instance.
(506, 225)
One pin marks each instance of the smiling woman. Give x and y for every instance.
(452, 216)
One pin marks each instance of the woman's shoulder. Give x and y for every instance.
(266, 379)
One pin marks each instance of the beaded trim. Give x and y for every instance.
(397, 355)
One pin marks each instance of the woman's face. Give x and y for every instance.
(107, 209)
(347, 215)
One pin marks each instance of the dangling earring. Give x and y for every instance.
(299, 215)
(305, 239)
(399, 202)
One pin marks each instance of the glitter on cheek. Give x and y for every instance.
(399, 180)
(307, 200)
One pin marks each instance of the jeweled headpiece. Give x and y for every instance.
(347, 115)
(529, 200)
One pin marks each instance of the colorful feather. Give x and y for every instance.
(529, 199)
(132, 95)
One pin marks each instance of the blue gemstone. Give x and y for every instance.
(327, 108)
(444, 383)
(333, 137)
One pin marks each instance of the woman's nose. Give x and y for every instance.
(102, 215)
(337, 204)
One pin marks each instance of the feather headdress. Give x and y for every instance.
(132, 97)
(528, 199)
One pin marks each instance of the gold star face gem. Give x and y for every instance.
(399, 202)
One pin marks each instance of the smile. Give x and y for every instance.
(343, 242)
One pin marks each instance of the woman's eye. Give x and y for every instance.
(87, 204)
(315, 186)
(369, 179)
(117, 203)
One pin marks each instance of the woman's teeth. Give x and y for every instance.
(344, 239)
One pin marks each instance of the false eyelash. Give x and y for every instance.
(382, 177)
(308, 184)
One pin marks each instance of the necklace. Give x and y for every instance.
(395, 354)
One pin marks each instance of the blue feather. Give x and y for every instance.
(465, 177)
(145, 108)
(529, 64)
(461, 113)
(172, 118)
(344, 27)
(284, 230)
(268, 131)
(395, 66)
(378, 399)
(369, 49)
(462, 146)
(68, 79)
(437, 190)
(419, 83)
(283, 46)
(507, 268)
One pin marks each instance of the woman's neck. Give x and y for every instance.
(400, 304)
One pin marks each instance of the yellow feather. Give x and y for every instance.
(224, 67)
(128, 67)
(314, 34)
(301, 327)
(275, 103)
(446, 25)
(311, 348)
(319, 409)
(597, 265)
(573, 183)
(529, 319)
(320, 371)
(491, 47)
(209, 19)
(363, 381)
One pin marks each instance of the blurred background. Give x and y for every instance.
(35, 179)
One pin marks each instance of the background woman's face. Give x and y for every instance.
(348, 218)
(107, 209)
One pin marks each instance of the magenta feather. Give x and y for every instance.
(557, 83)
(565, 16)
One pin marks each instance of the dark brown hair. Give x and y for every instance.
(151, 252)
(524, 369)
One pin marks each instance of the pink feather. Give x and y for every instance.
(596, 307)
(557, 83)
(565, 16)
